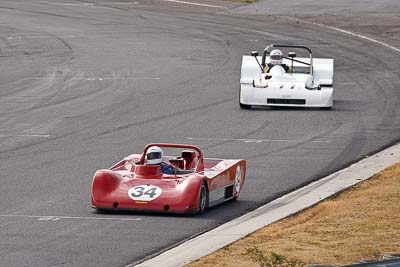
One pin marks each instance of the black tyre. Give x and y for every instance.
(238, 182)
(244, 106)
(203, 202)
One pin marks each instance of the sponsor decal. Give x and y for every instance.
(141, 202)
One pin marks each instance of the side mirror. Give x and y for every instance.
(292, 54)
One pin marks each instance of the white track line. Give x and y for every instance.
(36, 37)
(32, 135)
(104, 78)
(26, 135)
(55, 218)
(93, 4)
(117, 78)
(71, 4)
(258, 140)
(194, 4)
(346, 32)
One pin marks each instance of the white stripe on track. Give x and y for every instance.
(25, 135)
(259, 140)
(194, 4)
(104, 78)
(346, 32)
(56, 218)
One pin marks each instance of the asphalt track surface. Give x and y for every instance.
(84, 84)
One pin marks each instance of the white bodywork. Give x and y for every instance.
(298, 89)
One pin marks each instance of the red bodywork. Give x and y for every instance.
(132, 185)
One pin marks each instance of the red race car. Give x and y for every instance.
(185, 183)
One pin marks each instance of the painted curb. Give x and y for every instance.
(278, 209)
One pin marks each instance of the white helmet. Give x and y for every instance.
(154, 155)
(276, 57)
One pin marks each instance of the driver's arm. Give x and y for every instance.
(287, 68)
(167, 168)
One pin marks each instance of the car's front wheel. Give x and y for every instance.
(244, 106)
(203, 198)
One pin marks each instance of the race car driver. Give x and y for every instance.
(154, 156)
(276, 57)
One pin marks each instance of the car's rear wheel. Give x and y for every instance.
(203, 198)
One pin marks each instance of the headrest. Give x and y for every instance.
(188, 154)
(176, 160)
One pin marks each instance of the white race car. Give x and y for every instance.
(306, 82)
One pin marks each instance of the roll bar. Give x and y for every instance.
(268, 49)
(200, 165)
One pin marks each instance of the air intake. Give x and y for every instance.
(286, 101)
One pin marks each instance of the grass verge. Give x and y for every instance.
(361, 223)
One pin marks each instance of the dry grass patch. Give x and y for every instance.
(361, 223)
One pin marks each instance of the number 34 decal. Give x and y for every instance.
(144, 192)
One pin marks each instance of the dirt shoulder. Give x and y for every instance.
(361, 223)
